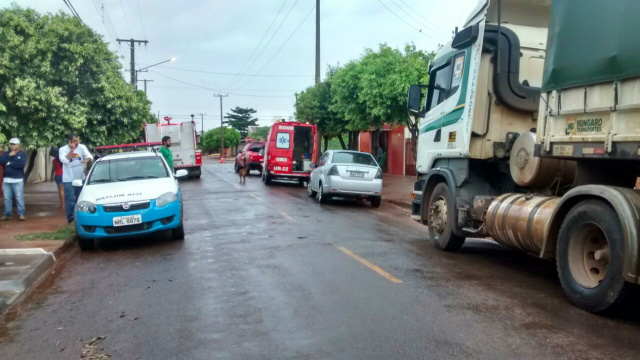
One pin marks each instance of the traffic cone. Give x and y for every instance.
(221, 159)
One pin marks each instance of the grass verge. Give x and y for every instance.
(66, 232)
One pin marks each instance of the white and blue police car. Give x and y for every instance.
(128, 195)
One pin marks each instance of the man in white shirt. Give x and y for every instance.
(73, 157)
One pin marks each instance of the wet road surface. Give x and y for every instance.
(267, 273)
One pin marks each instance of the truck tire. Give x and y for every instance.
(266, 177)
(590, 256)
(440, 220)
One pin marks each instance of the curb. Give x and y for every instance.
(399, 203)
(28, 279)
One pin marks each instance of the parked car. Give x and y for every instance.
(254, 153)
(350, 174)
(127, 195)
(289, 151)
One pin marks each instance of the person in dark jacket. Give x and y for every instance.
(13, 161)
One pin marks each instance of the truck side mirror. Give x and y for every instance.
(415, 99)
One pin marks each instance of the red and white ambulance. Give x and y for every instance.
(289, 151)
(183, 144)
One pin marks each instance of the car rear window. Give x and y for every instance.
(283, 140)
(128, 169)
(256, 148)
(353, 158)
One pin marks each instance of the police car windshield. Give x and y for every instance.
(128, 169)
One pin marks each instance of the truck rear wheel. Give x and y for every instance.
(589, 256)
(266, 177)
(440, 219)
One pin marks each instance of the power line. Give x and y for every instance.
(404, 21)
(226, 73)
(126, 21)
(73, 10)
(271, 38)
(144, 33)
(191, 88)
(216, 90)
(242, 69)
(417, 12)
(285, 42)
(413, 18)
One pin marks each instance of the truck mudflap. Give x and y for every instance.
(625, 202)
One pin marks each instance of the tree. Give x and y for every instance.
(210, 141)
(58, 76)
(241, 118)
(260, 134)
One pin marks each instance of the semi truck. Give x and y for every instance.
(530, 135)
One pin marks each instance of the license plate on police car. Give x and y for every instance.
(127, 220)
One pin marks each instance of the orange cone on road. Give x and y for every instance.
(221, 159)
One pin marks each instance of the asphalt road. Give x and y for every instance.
(267, 273)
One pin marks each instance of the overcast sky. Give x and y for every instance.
(219, 36)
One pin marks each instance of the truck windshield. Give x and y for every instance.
(128, 169)
(353, 158)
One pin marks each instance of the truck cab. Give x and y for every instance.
(529, 136)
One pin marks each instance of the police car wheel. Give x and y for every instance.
(86, 244)
(178, 233)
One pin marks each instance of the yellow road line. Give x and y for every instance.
(371, 266)
(287, 216)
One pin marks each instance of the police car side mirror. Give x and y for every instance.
(181, 173)
(77, 183)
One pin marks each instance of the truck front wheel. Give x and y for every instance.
(440, 219)
(590, 254)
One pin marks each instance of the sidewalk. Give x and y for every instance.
(24, 263)
(397, 190)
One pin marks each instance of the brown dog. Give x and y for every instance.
(244, 171)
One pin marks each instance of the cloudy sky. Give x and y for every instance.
(270, 43)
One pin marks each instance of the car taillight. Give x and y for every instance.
(379, 174)
(333, 171)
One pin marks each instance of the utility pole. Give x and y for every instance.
(145, 81)
(221, 125)
(202, 120)
(319, 136)
(132, 66)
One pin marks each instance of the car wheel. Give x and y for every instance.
(590, 256)
(267, 178)
(178, 233)
(440, 219)
(322, 197)
(86, 244)
(376, 201)
(310, 191)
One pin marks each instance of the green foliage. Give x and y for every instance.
(58, 76)
(211, 139)
(260, 134)
(241, 118)
(66, 232)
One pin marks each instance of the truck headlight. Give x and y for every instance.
(165, 199)
(86, 206)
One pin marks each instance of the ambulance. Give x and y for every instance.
(290, 150)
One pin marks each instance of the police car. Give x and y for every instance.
(127, 195)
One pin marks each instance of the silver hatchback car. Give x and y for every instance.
(342, 173)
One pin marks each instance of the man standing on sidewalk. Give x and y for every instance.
(73, 157)
(165, 152)
(13, 184)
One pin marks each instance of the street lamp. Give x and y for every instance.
(146, 67)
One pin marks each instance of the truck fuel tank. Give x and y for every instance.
(520, 221)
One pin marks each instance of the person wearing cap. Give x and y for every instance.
(13, 184)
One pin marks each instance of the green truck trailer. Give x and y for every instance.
(530, 135)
